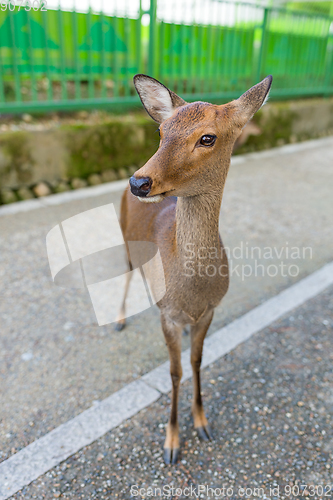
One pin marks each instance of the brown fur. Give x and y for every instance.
(190, 178)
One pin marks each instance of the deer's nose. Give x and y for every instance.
(140, 186)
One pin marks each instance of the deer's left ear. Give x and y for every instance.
(158, 100)
(250, 102)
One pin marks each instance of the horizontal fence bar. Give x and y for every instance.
(70, 105)
(134, 102)
(204, 50)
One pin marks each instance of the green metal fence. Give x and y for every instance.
(206, 49)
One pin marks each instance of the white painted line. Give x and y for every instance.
(48, 451)
(111, 187)
(224, 340)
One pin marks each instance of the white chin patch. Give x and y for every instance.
(151, 199)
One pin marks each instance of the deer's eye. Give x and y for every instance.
(208, 140)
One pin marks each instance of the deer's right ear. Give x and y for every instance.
(158, 100)
(250, 102)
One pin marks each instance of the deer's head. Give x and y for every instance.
(196, 140)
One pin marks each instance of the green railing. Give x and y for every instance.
(203, 49)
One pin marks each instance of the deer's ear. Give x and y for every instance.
(158, 100)
(250, 102)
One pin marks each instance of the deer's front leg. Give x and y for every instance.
(198, 333)
(173, 336)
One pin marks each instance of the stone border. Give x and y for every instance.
(45, 453)
(44, 189)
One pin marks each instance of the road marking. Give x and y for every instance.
(47, 452)
(111, 187)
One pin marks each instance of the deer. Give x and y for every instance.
(174, 201)
(250, 129)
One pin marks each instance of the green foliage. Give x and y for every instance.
(110, 145)
(324, 8)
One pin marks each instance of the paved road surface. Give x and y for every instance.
(56, 361)
(270, 405)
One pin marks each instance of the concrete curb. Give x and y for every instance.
(59, 198)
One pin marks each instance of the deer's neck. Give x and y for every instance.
(197, 222)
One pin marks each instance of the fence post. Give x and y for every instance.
(139, 38)
(152, 37)
(329, 65)
(262, 45)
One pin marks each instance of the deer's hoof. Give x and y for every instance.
(205, 433)
(119, 326)
(171, 455)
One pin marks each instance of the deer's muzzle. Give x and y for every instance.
(141, 186)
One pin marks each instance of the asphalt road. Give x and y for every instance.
(56, 361)
(270, 405)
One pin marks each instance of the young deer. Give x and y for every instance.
(181, 187)
(250, 129)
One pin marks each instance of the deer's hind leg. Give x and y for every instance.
(121, 318)
(198, 333)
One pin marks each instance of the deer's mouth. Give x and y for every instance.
(156, 198)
